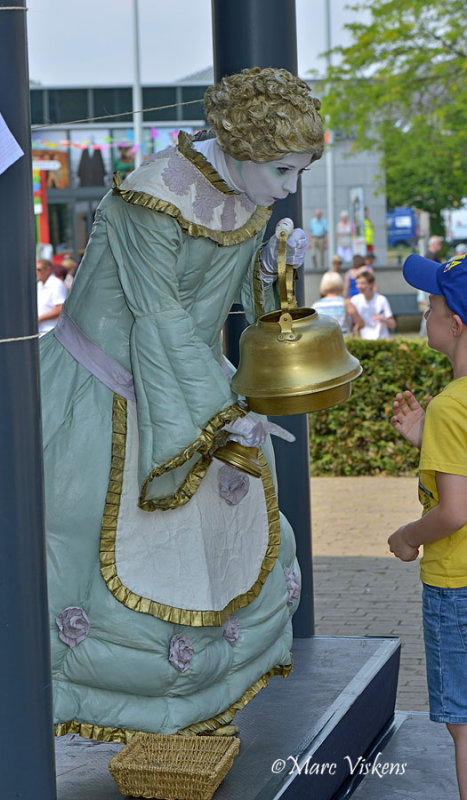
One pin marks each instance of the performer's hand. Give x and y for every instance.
(294, 254)
(251, 430)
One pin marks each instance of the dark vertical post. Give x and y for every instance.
(263, 33)
(27, 760)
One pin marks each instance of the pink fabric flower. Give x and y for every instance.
(293, 587)
(181, 652)
(233, 484)
(73, 625)
(232, 630)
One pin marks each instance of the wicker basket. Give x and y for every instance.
(173, 767)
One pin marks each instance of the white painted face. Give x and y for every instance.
(270, 181)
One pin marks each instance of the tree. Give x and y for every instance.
(401, 86)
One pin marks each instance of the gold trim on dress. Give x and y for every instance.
(257, 287)
(108, 734)
(144, 605)
(185, 147)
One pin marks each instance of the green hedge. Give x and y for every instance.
(356, 438)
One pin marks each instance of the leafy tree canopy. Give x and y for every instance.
(401, 86)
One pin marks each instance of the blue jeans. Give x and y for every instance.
(445, 632)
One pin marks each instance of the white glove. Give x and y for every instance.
(251, 430)
(294, 254)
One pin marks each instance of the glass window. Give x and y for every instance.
(194, 111)
(67, 105)
(113, 101)
(61, 226)
(155, 96)
(37, 109)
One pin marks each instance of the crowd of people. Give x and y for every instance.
(53, 285)
(354, 300)
(346, 232)
(352, 296)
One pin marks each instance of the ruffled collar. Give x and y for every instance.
(181, 182)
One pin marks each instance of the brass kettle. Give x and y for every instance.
(294, 360)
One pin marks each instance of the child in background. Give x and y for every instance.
(332, 302)
(372, 307)
(441, 434)
(350, 280)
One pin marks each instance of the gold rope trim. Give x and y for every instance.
(185, 147)
(254, 225)
(108, 734)
(108, 566)
(257, 287)
(205, 445)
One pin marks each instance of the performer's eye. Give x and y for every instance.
(282, 170)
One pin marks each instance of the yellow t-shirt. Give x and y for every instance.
(444, 449)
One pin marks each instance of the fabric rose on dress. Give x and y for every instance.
(233, 484)
(293, 586)
(232, 630)
(181, 652)
(73, 625)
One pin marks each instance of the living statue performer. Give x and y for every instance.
(172, 576)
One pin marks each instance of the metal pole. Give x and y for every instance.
(329, 154)
(27, 756)
(263, 33)
(137, 91)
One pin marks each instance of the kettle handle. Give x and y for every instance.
(285, 272)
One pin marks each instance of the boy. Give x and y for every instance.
(442, 530)
(373, 308)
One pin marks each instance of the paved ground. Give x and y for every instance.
(360, 588)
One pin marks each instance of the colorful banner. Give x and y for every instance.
(41, 211)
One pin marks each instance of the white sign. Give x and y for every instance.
(38, 163)
(10, 150)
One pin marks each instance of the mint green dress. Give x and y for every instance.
(170, 607)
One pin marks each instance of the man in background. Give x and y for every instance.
(435, 244)
(369, 233)
(51, 294)
(318, 238)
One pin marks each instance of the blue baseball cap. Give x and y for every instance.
(449, 280)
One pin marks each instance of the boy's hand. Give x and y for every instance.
(400, 547)
(408, 418)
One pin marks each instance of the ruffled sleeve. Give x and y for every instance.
(183, 396)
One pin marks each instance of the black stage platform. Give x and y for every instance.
(335, 705)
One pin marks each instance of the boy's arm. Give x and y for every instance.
(445, 518)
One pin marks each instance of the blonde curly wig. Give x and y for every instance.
(262, 114)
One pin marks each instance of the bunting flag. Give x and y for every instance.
(107, 141)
